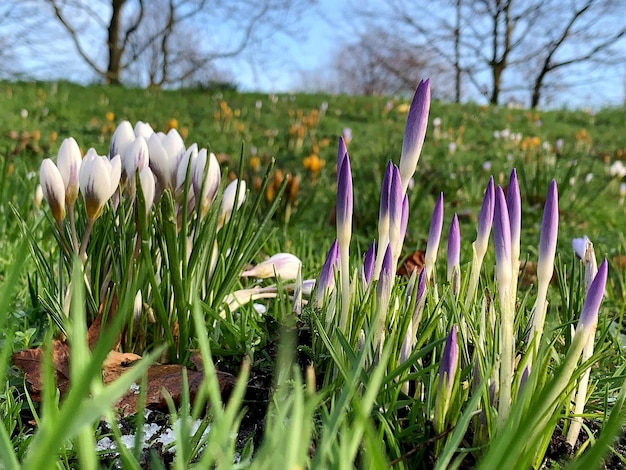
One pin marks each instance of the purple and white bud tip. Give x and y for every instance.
(485, 218)
(449, 360)
(589, 313)
(414, 132)
(502, 239)
(344, 202)
(368, 263)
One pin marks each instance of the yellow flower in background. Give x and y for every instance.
(403, 108)
(536, 141)
(255, 163)
(109, 116)
(313, 163)
(53, 136)
(184, 132)
(36, 135)
(172, 124)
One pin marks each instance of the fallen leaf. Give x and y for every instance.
(169, 378)
(415, 261)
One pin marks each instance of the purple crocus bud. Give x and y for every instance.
(404, 222)
(68, 163)
(485, 219)
(385, 283)
(383, 211)
(53, 188)
(514, 207)
(414, 132)
(454, 253)
(589, 313)
(326, 282)
(383, 217)
(421, 286)
(368, 263)
(342, 151)
(548, 237)
(434, 235)
(524, 377)
(449, 363)
(344, 203)
(580, 246)
(395, 213)
(502, 240)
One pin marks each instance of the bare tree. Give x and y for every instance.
(490, 44)
(585, 32)
(380, 63)
(174, 38)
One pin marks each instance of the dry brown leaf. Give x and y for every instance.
(169, 378)
(415, 261)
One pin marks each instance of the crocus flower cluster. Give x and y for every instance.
(494, 334)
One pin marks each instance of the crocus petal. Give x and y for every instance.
(143, 129)
(449, 362)
(53, 188)
(589, 313)
(548, 236)
(228, 199)
(454, 253)
(135, 157)
(580, 246)
(485, 219)
(188, 159)
(162, 165)
(414, 132)
(68, 163)
(123, 136)
(208, 184)
(146, 179)
(514, 207)
(434, 236)
(283, 265)
(502, 240)
(368, 263)
(342, 151)
(344, 203)
(326, 282)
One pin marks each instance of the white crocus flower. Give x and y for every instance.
(68, 163)
(143, 129)
(283, 265)
(207, 184)
(122, 137)
(166, 151)
(98, 178)
(53, 188)
(135, 158)
(185, 163)
(228, 200)
(148, 187)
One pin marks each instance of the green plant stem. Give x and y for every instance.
(507, 345)
(70, 216)
(82, 254)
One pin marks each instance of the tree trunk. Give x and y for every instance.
(457, 53)
(114, 66)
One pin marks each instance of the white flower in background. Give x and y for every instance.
(98, 180)
(283, 265)
(452, 148)
(53, 188)
(617, 169)
(228, 200)
(38, 196)
(123, 136)
(487, 166)
(24, 113)
(206, 178)
(580, 246)
(588, 177)
(68, 163)
(622, 189)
